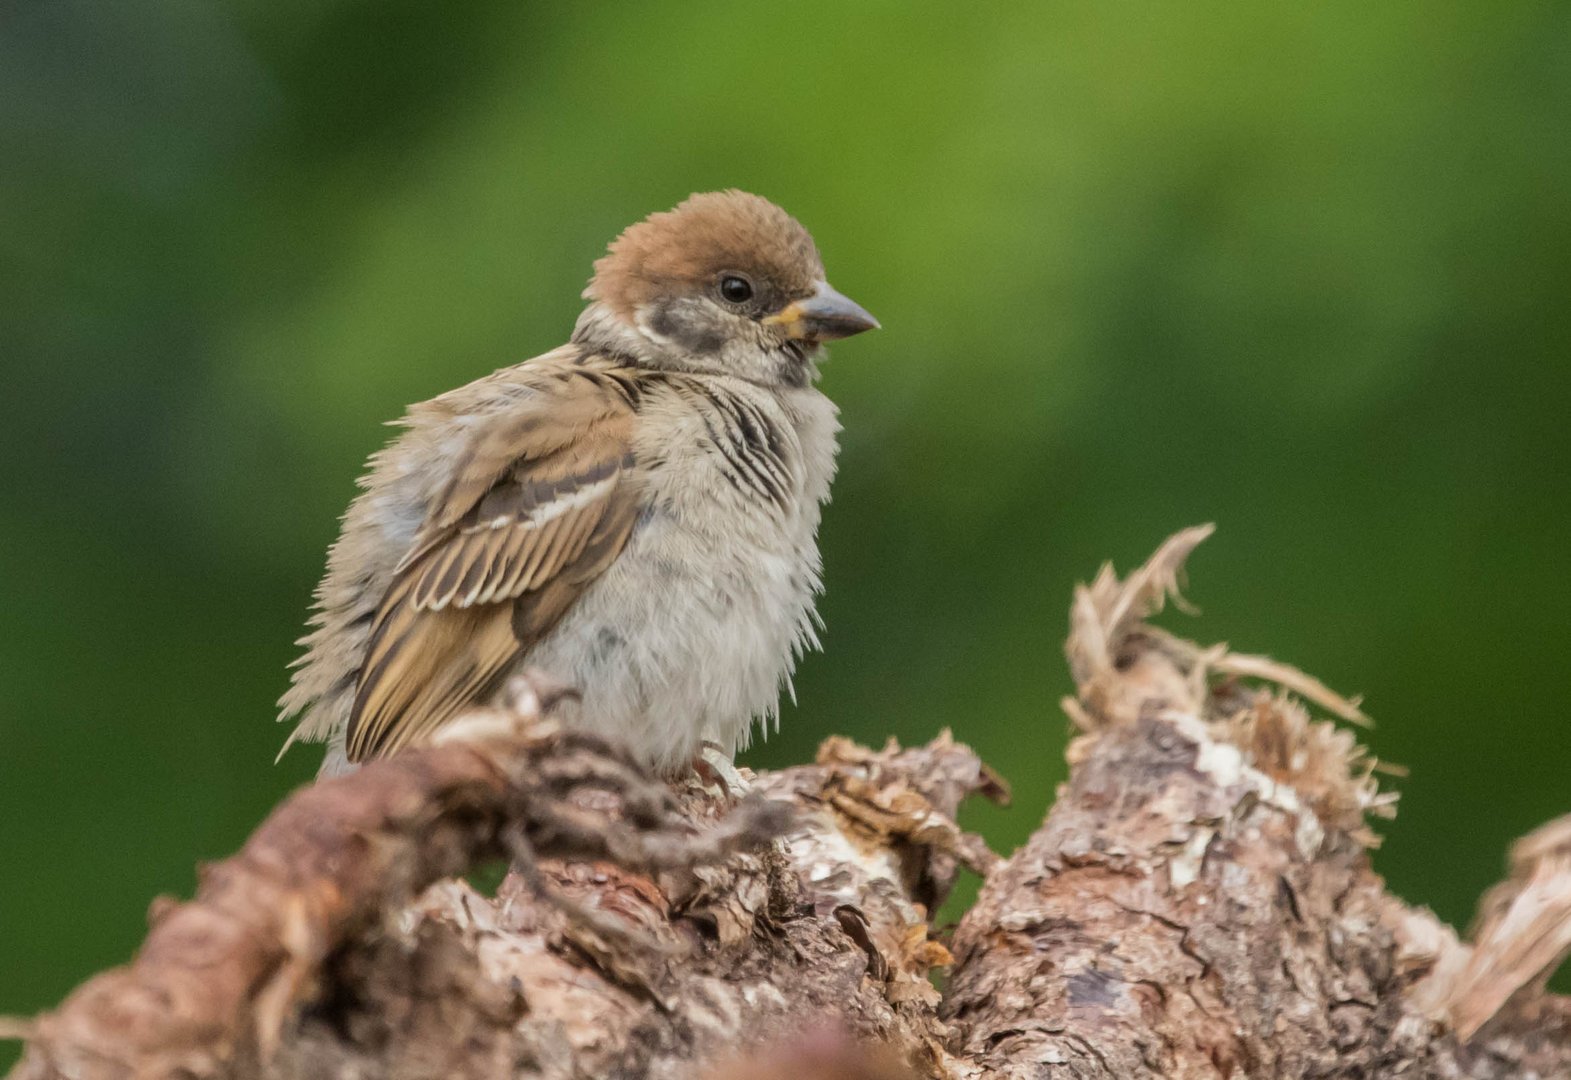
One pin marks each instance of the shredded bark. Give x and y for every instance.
(1198, 903)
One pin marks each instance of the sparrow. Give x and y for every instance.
(634, 513)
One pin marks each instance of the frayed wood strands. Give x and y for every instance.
(1199, 902)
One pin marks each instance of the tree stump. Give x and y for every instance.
(1198, 903)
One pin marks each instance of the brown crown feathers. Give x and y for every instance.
(698, 241)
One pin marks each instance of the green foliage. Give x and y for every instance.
(1300, 270)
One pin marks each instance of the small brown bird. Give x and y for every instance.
(634, 513)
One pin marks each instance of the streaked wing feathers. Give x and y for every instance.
(540, 505)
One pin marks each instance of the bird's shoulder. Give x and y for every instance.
(524, 434)
(570, 372)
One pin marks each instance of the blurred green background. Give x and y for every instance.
(1300, 270)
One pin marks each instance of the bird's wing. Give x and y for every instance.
(540, 504)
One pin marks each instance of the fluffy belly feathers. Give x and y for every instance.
(695, 630)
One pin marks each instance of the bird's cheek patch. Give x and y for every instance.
(692, 327)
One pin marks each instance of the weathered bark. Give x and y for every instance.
(1198, 903)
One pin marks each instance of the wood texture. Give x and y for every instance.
(1198, 903)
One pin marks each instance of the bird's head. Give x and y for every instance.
(725, 283)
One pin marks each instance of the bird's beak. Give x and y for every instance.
(824, 316)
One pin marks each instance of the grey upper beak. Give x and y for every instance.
(824, 316)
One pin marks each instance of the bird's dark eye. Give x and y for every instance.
(736, 290)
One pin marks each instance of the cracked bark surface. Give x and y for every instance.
(1198, 903)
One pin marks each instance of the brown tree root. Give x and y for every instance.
(1198, 903)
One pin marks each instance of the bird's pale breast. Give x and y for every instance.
(694, 631)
